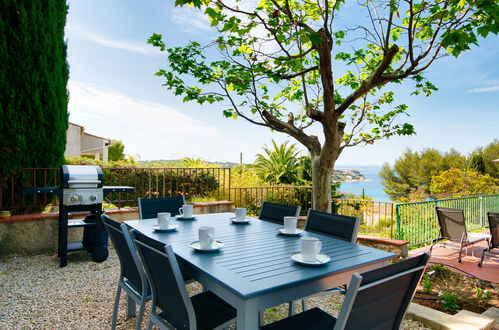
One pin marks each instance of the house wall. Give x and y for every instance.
(73, 143)
(91, 144)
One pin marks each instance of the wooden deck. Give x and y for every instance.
(447, 253)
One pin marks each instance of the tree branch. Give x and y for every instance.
(373, 81)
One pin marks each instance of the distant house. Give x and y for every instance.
(80, 143)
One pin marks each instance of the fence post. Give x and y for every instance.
(230, 171)
(397, 214)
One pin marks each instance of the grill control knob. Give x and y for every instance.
(93, 198)
(73, 198)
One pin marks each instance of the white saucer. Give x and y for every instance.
(179, 217)
(234, 220)
(297, 232)
(217, 245)
(321, 260)
(170, 228)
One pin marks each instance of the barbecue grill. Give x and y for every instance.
(81, 189)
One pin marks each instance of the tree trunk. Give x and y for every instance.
(322, 170)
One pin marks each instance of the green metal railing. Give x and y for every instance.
(417, 222)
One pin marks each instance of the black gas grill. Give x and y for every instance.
(81, 189)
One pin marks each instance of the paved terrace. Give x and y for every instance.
(448, 253)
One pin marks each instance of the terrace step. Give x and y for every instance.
(493, 313)
(464, 320)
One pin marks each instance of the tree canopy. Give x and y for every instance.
(458, 183)
(116, 151)
(33, 77)
(288, 65)
(414, 170)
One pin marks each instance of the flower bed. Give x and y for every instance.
(449, 292)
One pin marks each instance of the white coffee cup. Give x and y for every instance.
(206, 235)
(290, 224)
(164, 220)
(240, 213)
(186, 211)
(310, 248)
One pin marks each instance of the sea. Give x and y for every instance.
(372, 187)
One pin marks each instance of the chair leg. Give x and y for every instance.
(480, 264)
(291, 308)
(304, 304)
(261, 317)
(138, 322)
(432, 245)
(130, 307)
(116, 305)
(460, 253)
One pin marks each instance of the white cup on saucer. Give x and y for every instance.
(206, 236)
(186, 211)
(290, 224)
(310, 248)
(164, 220)
(240, 213)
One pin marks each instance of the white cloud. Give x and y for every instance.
(484, 89)
(192, 19)
(128, 45)
(145, 128)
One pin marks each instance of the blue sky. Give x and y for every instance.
(114, 92)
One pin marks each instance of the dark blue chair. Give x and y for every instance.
(377, 299)
(150, 207)
(276, 212)
(334, 225)
(169, 295)
(132, 278)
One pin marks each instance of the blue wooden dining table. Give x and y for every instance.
(254, 270)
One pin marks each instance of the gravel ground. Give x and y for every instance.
(36, 293)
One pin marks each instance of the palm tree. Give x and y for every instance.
(279, 164)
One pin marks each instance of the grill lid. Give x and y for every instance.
(81, 177)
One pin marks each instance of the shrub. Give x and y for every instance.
(427, 284)
(484, 295)
(450, 302)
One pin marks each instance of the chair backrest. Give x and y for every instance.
(334, 225)
(150, 207)
(378, 299)
(131, 267)
(452, 223)
(276, 212)
(494, 228)
(167, 285)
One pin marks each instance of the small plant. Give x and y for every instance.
(450, 302)
(484, 295)
(427, 284)
(440, 269)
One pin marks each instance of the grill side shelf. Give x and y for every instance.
(79, 223)
(42, 190)
(112, 189)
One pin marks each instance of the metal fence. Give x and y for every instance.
(417, 222)
(252, 197)
(11, 197)
(376, 217)
(148, 183)
(166, 182)
(414, 222)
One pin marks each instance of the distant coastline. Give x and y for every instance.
(348, 175)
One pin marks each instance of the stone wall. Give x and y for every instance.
(37, 233)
